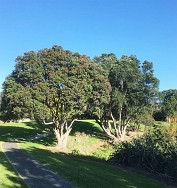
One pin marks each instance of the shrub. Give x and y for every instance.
(155, 151)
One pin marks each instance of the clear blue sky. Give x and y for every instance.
(145, 28)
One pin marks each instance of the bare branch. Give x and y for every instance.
(49, 123)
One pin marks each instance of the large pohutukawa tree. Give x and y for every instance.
(134, 88)
(56, 85)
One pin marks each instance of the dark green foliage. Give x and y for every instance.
(159, 116)
(134, 88)
(156, 151)
(16, 101)
(167, 105)
(106, 62)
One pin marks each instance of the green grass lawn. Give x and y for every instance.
(18, 131)
(86, 170)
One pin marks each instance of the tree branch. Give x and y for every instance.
(49, 123)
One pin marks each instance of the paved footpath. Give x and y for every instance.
(34, 174)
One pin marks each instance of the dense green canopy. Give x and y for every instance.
(53, 84)
(134, 89)
(169, 104)
(57, 86)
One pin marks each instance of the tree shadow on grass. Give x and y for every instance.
(89, 128)
(32, 124)
(11, 133)
(37, 126)
(47, 141)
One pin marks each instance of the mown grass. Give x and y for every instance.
(8, 176)
(87, 138)
(18, 131)
(83, 170)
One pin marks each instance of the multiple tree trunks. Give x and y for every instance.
(171, 119)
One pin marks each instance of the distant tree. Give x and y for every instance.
(134, 88)
(169, 103)
(0, 107)
(53, 84)
(158, 114)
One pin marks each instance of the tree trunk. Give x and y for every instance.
(62, 132)
(114, 130)
(109, 130)
(61, 139)
(122, 133)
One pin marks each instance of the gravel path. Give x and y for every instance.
(34, 174)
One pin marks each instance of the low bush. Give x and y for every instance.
(155, 151)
